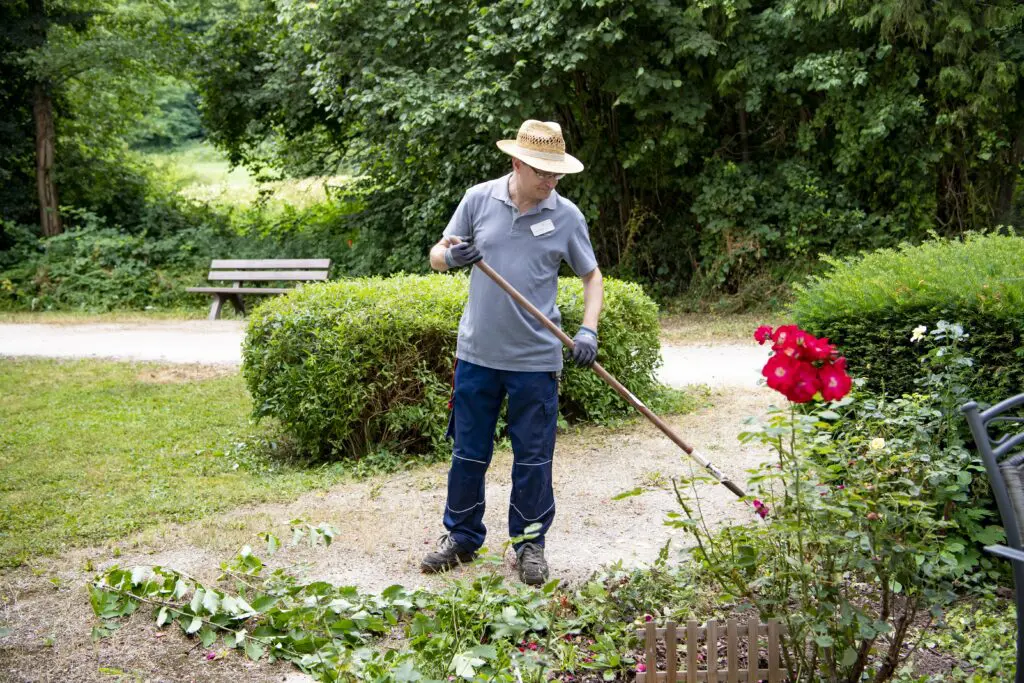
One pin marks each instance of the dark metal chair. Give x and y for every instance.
(1006, 476)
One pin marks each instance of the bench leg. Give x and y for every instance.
(1018, 585)
(236, 299)
(218, 303)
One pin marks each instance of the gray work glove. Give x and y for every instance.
(584, 351)
(462, 254)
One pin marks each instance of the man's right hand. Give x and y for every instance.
(461, 254)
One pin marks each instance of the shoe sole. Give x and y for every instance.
(534, 583)
(439, 568)
(540, 580)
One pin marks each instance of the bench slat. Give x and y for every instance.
(265, 275)
(218, 264)
(241, 290)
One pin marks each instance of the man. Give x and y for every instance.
(525, 230)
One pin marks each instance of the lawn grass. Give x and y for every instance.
(84, 317)
(201, 172)
(91, 451)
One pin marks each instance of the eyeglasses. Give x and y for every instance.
(544, 175)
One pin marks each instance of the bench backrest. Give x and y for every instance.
(241, 270)
(997, 450)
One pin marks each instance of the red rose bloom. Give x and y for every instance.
(802, 342)
(802, 366)
(820, 349)
(806, 384)
(780, 370)
(784, 337)
(835, 383)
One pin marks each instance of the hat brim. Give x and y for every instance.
(568, 164)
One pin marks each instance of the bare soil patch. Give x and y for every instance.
(179, 374)
(385, 525)
(709, 328)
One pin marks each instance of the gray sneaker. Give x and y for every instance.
(449, 554)
(533, 570)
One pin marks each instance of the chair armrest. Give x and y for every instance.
(1006, 553)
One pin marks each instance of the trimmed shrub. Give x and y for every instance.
(869, 306)
(354, 366)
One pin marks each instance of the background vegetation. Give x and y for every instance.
(728, 142)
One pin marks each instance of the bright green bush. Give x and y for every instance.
(870, 305)
(100, 268)
(356, 365)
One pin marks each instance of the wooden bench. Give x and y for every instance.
(259, 270)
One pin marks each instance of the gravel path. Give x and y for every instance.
(215, 342)
(208, 342)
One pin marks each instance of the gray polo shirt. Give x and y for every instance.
(527, 250)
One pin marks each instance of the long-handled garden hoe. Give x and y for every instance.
(612, 382)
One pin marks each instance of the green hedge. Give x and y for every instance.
(870, 305)
(353, 366)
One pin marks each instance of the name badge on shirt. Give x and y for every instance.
(542, 228)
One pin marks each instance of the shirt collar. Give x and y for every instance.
(500, 192)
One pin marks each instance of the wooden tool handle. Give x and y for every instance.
(608, 378)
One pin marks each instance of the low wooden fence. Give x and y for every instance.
(710, 635)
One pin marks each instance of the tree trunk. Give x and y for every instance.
(49, 212)
(743, 133)
(1008, 183)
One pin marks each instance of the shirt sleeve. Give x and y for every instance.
(580, 253)
(461, 223)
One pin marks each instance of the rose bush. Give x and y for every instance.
(853, 556)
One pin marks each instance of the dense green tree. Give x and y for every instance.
(723, 138)
(76, 76)
(175, 120)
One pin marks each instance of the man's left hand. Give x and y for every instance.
(584, 350)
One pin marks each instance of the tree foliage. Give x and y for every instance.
(723, 138)
(99, 64)
(728, 142)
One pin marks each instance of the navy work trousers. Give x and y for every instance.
(532, 420)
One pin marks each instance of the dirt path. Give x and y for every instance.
(186, 341)
(385, 525)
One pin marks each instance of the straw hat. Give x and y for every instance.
(541, 145)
